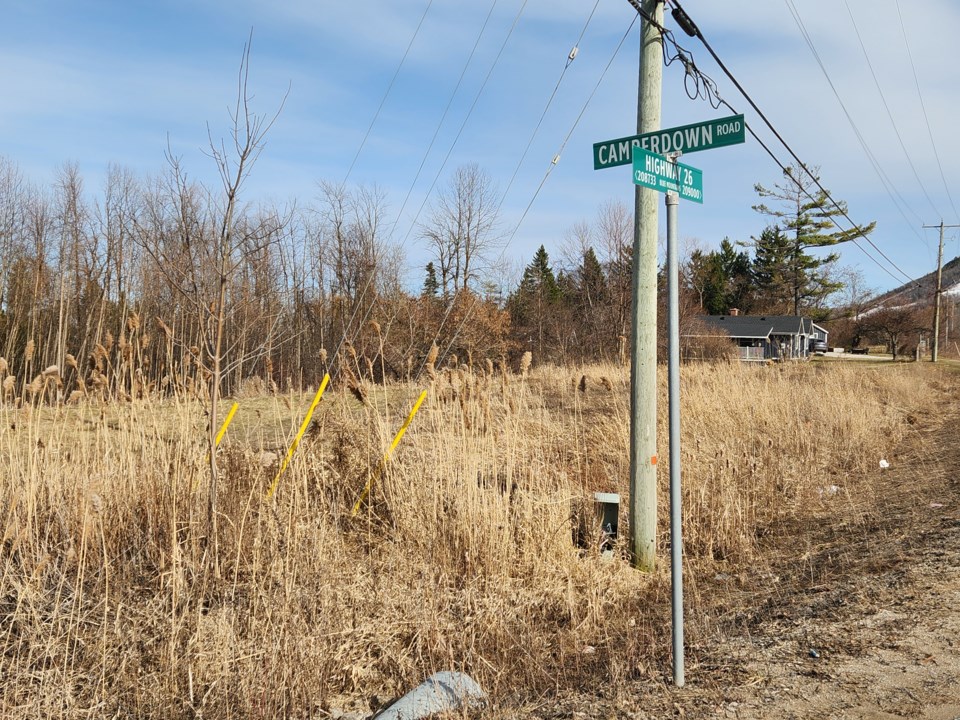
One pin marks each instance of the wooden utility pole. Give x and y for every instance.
(936, 298)
(643, 337)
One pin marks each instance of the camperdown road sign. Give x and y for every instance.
(658, 173)
(685, 139)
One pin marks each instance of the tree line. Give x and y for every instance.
(165, 284)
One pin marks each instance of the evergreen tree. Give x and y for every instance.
(431, 286)
(720, 279)
(533, 306)
(772, 277)
(538, 277)
(591, 285)
(735, 267)
(805, 215)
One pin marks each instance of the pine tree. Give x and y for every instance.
(591, 285)
(771, 270)
(431, 286)
(533, 305)
(806, 215)
(721, 279)
(538, 277)
(735, 267)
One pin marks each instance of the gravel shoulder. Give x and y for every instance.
(858, 617)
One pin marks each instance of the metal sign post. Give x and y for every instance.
(666, 175)
(673, 372)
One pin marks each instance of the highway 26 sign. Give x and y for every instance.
(659, 173)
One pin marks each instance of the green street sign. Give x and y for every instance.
(658, 173)
(685, 139)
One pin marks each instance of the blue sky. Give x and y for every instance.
(104, 82)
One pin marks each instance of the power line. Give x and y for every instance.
(446, 110)
(885, 181)
(476, 99)
(888, 185)
(787, 173)
(563, 145)
(694, 31)
(553, 164)
(387, 93)
(570, 58)
(413, 223)
(886, 107)
(923, 107)
(423, 161)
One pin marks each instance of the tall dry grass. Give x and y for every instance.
(461, 559)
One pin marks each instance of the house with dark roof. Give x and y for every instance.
(765, 337)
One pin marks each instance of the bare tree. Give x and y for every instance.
(856, 295)
(615, 239)
(206, 238)
(896, 325)
(576, 242)
(37, 296)
(462, 228)
(353, 256)
(12, 252)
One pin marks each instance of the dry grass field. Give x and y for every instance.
(462, 559)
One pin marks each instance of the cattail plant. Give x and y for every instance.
(358, 390)
(431, 360)
(9, 387)
(525, 363)
(35, 388)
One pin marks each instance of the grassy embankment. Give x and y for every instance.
(463, 559)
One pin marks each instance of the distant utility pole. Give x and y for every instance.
(643, 337)
(936, 298)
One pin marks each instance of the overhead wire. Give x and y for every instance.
(886, 106)
(801, 165)
(423, 160)
(786, 171)
(547, 173)
(892, 192)
(476, 99)
(453, 145)
(566, 66)
(386, 94)
(923, 107)
(446, 111)
(563, 145)
(437, 132)
(571, 56)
